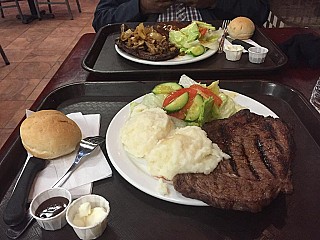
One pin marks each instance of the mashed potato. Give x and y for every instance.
(185, 150)
(144, 128)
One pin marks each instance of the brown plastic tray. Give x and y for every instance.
(103, 61)
(136, 215)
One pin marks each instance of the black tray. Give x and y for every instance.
(103, 61)
(136, 215)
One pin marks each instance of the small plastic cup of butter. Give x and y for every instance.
(88, 216)
(233, 52)
(49, 208)
(257, 54)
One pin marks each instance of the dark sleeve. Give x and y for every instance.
(256, 10)
(116, 11)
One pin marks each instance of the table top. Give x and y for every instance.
(301, 78)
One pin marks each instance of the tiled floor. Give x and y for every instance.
(35, 50)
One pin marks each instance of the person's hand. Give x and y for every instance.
(155, 6)
(199, 4)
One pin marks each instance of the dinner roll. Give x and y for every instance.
(49, 134)
(241, 28)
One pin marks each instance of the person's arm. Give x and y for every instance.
(116, 11)
(256, 10)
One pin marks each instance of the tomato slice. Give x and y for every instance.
(181, 114)
(206, 93)
(203, 31)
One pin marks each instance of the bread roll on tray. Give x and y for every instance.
(49, 134)
(241, 28)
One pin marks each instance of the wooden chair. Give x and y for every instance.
(4, 56)
(10, 4)
(49, 3)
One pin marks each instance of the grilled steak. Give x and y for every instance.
(261, 150)
(147, 43)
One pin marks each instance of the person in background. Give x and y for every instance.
(119, 11)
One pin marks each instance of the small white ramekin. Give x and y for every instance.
(257, 54)
(58, 221)
(91, 232)
(233, 52)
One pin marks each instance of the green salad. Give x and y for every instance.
(192, 102)
(196, 38)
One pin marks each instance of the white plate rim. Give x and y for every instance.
(179, 60)
(138, 178)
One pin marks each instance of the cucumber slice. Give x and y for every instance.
(166, 88)
(197, 50)
(178, 103)
(195, 109)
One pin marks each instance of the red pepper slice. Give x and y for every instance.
(206, 93)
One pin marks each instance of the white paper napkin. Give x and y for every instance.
(227, 42)
(92, 168)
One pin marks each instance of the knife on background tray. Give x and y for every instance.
(16, 209)
(239, 42)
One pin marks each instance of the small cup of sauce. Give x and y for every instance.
(49, 208)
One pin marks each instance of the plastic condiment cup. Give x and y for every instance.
(55, 222)
(257, 54)
(91, 232)
(233, 52)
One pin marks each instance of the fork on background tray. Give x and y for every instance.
(224, 26)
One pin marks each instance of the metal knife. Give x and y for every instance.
(240, 42)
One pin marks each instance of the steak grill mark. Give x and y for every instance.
(227, 149)
(263, 155)
(250, 165)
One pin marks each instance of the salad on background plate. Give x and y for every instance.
(196, 38)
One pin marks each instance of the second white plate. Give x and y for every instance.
(175, 61)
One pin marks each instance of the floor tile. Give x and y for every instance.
(6, 69)
(40, 55)
(35, 30)
(56, 43)
(36, 70)
(63, 31)
(17, 55)
(26, 42)
(17, 89)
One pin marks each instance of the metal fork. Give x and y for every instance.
(87, 145)
(224, 26)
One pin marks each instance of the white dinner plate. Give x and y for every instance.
(175, 61)
(125, 166)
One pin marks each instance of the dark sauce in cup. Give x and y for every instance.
(52, 207)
